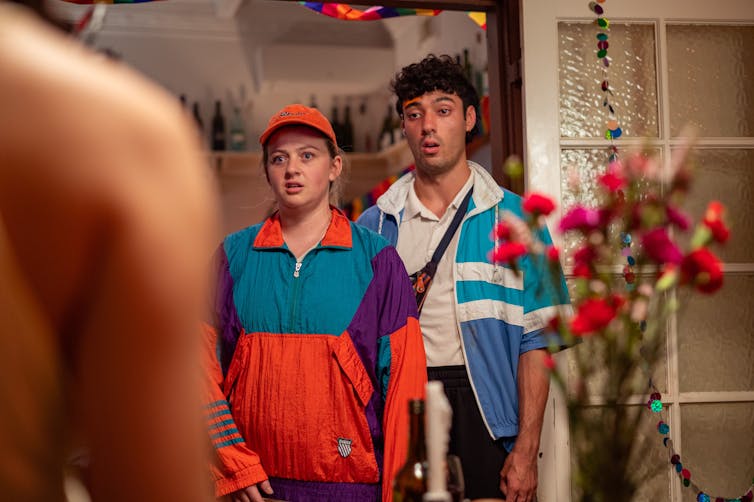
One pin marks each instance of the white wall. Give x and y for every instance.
(218, 60)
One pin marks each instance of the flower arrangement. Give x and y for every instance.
(631, 252)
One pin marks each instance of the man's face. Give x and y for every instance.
(435, 125)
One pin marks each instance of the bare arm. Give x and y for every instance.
(518, 478)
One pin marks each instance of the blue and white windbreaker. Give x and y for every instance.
(501, 314)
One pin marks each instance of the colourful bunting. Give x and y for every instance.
(345, 12)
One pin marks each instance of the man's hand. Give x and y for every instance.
(251, 493)
(518, 477)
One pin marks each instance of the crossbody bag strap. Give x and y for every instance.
(450, 232)
(422, 279)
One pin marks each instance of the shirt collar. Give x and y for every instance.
(338, 233)
(414, 206)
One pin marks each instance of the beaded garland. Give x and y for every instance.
(654, 403)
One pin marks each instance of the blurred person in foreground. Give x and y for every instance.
(482, 323)
(106, 224)
(315, 343)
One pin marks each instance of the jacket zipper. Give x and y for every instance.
(295, 294)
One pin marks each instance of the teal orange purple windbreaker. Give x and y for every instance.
(312, 364)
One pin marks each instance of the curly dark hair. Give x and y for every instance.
(435, 73)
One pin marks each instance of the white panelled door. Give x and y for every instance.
(674, 62)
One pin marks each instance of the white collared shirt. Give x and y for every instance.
(419, 234)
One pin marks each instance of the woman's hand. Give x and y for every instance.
(251, 493)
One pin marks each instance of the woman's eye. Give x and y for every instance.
(413, 115)
(307, 155)
(278, 159)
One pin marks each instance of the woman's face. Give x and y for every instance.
(300, 169)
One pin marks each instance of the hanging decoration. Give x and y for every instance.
(612, 132)
(90, 2)
(345, 12)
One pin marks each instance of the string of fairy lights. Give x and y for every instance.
(612, 132)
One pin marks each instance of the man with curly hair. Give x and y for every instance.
(482, 323)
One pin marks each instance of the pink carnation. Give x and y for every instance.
(677, 218)
(581, 218)
(659, 248)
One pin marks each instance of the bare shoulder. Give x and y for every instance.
(68, 104)
(75, 121)
(91, 153)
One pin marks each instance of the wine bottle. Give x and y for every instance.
(467, 65)
(337, 128)
(218, 129)
(386, 137)
(410, 483)
(237, 131)
(347, 131)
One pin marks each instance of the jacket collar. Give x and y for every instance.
(338, 233)
(486, 194)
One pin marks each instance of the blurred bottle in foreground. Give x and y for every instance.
(411, 481)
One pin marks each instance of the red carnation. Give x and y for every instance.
(536, 203)
(594, 315)
(713, 219)
(505, 253)
(502, 231)
(549, 362)
(553, 254)
(702, 268)
(613, 179)
(582, 270)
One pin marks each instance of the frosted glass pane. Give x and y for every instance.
(710, 74)
(584, 165)
(716, 338)
(727, 176)
(648, 462)
(717, 445)
(632, 76)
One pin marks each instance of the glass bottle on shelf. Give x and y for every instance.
(218, 129)
(410, 482)
(237, 131)
(347, 130)
(387, 136)
(467, 66)
(337, 128)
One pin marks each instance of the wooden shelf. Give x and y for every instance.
(365, 170)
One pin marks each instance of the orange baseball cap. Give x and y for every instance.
(298, 115)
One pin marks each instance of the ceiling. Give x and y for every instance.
(265, 22)
(272, 33)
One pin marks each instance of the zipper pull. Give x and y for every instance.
(298, 267)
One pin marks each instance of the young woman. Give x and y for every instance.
(316, 342)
